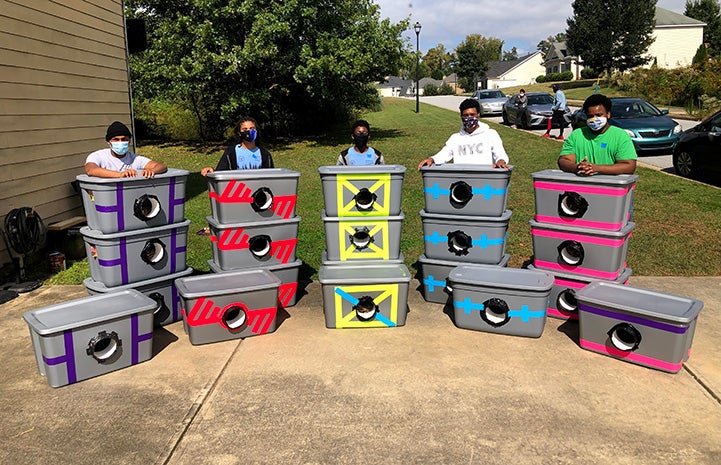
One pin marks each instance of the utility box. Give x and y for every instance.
(471, 190)
(287, 273)
(362, 190)
(434, 276)
(361, 239)
(126, 204)
(92, 336)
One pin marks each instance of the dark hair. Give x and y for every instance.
(556, 87)
(470, 103)
(522, 90)
(243, 119)
(360, 123)
(597, 99)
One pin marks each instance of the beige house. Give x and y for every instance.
(676, 39)
(63, 80)
(511, 73)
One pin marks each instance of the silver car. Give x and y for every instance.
(491, 101)
(537, 113)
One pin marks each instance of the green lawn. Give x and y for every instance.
(678, 221)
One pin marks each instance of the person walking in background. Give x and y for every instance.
(246, 154)
(360, 154)
(117, 161)
(559, 109)
(521, 105)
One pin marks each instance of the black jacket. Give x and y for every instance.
(229, 162)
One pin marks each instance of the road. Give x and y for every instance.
(663, 162)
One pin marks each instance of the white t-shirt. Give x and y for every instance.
(480, 147)
(104, 158)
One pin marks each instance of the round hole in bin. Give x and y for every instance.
(571, 252)
(105, 348)
(234, 318)
(153, 252)
(461, 193)
(361, 238)
(260, 246)
(625, 337)
(146, 207)
(459, 242)
(567, 301)
(262, 199)
(572, 204)
(495, 312)
(364, 199)
(365, 309)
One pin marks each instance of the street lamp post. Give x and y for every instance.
(417, 28)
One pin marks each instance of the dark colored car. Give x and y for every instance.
(538, 111)
(651, 130)
(491, 101)
(698, 151)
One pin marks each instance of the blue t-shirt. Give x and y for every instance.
(360, 159)
(248, 159)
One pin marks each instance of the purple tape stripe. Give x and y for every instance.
(119, 202)
(136, 338)
(124, 261)
(173, 202)
(633, 319)
(68, 359)
(173, 250)
(176, 302)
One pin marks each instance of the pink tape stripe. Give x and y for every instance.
(579, 222)
(564, 236)
(564, 283)
(607, 275)
(652, 362)
(568, 315)
(554, 186)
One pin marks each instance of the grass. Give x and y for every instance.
(677, 220)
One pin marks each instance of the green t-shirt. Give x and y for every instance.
(601, 149)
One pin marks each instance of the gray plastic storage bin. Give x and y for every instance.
(161, 290)
(637, 325)
(371, 238)
(127, 204)
(391, 261)
(594, 253)
(134, 256)
(232, 305)
(253, 195)
(365, 296)
(92, 336)
(500, 300)
(362, 190)
(287, 273)
(562, 303)
(468, 239)
(249, 245)
(473, 190)
(599, 202)
(434, 274)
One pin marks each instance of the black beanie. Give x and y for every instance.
(117, 129)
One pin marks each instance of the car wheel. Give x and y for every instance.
(683, 164)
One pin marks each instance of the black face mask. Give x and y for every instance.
(360, 140)
(249, 135)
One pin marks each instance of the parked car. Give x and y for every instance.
(698, 151)
(491, 101)
(651, 130)
(538, 111)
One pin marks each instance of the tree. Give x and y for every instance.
(510, 56)
(285, 63)
(709, 12)
(607, 37)
(472, 57)
(545, 45)
(438, 59)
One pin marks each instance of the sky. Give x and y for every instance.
(518, 23)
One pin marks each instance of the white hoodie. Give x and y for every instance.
(480, 147)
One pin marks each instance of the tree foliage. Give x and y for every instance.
(438, 59)
(472, 57)
(286, 63)
(510, 55)
(709, 12)
(607, 37)
(545, 44)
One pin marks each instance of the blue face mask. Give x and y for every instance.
(596, 123)
(250, 135)
(120, 148)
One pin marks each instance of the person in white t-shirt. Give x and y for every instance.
(117, 161)
(476, 143)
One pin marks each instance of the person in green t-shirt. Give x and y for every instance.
(598, 148)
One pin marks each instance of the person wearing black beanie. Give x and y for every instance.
(117, 161)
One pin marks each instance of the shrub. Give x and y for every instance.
(446, 89)
(430, 90)
(541, 78)
(589, 73)
(160, 119)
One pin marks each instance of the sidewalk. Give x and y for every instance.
(426, 393)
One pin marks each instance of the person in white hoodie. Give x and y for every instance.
(475, 144)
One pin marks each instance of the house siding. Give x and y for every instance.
(63, 79)
(524, 73)
(675, 47)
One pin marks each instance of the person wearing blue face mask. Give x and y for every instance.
(475, 144)
(246, 154)
(117, 161)
(598, 147)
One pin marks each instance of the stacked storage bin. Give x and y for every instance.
(363, 278)
(581, 232)
(465, 222)
(253, 227)
(136, 237)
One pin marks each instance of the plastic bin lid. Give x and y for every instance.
(272, 222)
(215, 268)
(558, 175)
(86, 231)
(456, 169)
(366, 219)
(370, 169)
(88, 311)
(432, 261)
(364, 274)
(622, 278)
(172, 172)
(468, 219)
(100, 287)
(630, 226)
(645, 302)
(495, 276)
(221, 283)
(263, 173)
